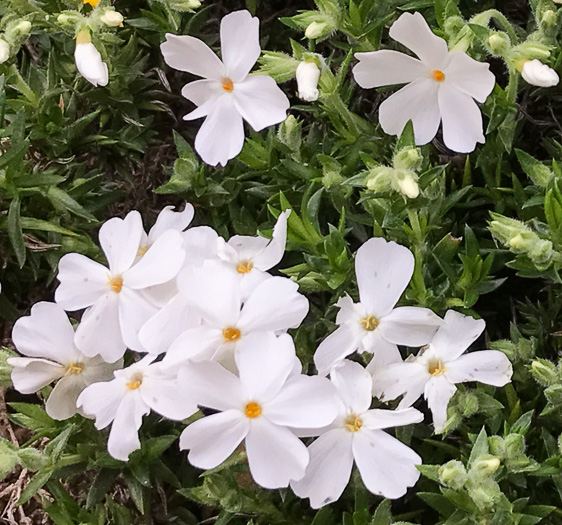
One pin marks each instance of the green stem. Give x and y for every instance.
(511, 89)
(483, 19)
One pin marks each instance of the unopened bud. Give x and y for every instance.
(4, 51)
(290, 133)
(20, 29)
(498, 43)
(69, 19)
(112, 18)
(529, 51)
(485, 493)
(549, 18)
(405, 181)
(408, 159)
(485, 465)
(308, 74)
(321, 28)
(539, 74)
(544, 372)
(453, 474)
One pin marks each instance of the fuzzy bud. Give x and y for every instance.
(112, 18)
(308, 74)
(453, 474)
(485, 465)
(544, 372)
(408, 159)
(4, 51)
(18, 30)
(529, 51)
(405, 181)
(539, 74)
(549, 18)
(498, 43)
(290, 133)
(485, 494)
(320, 29)
(553, 394)
(69, 19)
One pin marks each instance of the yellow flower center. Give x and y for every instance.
(227, 84)
(438, 75)
(436, 367)
(369, 323)
(74, 369)
(245, 267)
(252, 410)
(135, 382)
(231, 334)
(353, 423)
(93, 3)
(142, 250)
(115, 283)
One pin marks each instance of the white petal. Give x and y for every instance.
(120, 240)
(96, 370)
(212, 386)
(90, 65)
(99, 331)
(384, 353)
(462, 120)
(30, 375)
(62, 400)
(272, 254)
(124, 434)
(349, 312)
(168, 219)
(134, 311)
(82, 282)
(386, 68)
(101, 400)
(304, 402)
(200, 243)
(196, 344)
(250, 281)
(412, 31)
(336, 347)
(416, 102)
(470, 76)
(274, 305)
(221, 136)
(47, 333)
(329, 470)
(160, 331)
(410, 326)
(162, 392)
(240, 43)
(353, 384)
(264, 363)
(261, 102)
(213, 439)
(378, 418)
(191, 55)
(438, 392)
(398, 379)
(456, 334)
(487, 366)
(203, 93)
(275, 455)
(241, 247)
(386, 465)
(161, 263)
(383, 270)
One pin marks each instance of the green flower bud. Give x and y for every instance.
(290, 133)
(529, 51)
(541, 253)
(544, 372)
(379, 178)
(406, 182)
(408, 159)
(485, 465)
(549, 18)
(323, 26)
(69, 19)
(553, 394)
(19, 29)
(485, 493)
(453, 25)
(112, 18)
(498, 43)
(497, 446)
(453, 474)
(31, 458)
(280, 66)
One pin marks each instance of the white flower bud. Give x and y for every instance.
(308, 74)
(112, 18)
(4, 51)
(88, 61)
(539, 74)
(316, 30)
(406, 184)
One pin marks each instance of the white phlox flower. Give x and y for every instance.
(251, 257)
(308, 74)
(88, 60)
(260, 407)
(114, 295)
(441, 86)
(46, 338)
(226, 95)
(132, 394)
(436, 370)
(374, 325)
(538, 74)
(386, 465)
(275, 305)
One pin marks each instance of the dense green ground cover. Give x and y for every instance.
(73, 155)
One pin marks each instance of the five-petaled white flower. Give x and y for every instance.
(442, 86)
(374, 325)
(227, 95)
(46, 337)
(88, 60)
(118, 307)
(214, 290)
(132, 394)
(438, 367)
(261, 406)
(386, 465)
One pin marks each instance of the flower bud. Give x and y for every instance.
(453, 474)
(308, 74)
(497, 446)
(408, 159)
(290, 133)
(4, 51)
(69, 19)
(485, 493)
(553, 394)
(320, 28)
(539, 74)
(453, 25)
(529, 51)
(544, 372)
(18, 30)
(88, 60)
(485, 465)
(498, 43)
(112, 18)
(405, 181)
(549, 18)
(541, 253)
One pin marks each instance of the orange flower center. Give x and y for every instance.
(227, 84)
(231, 334)
(369, 323)
(135, 382)
(252, 410)
(115, 283)
(438, 75)
(245, 267)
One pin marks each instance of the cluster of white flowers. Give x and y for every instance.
(212, 323)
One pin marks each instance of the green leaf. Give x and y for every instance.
(63, 199)
(15, 232)
(35, 484)
(479, 448)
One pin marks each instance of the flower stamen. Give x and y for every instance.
(438, 75)
(115, 282)
(135, 382)
(227, 84)
(245, 267)
(142, 250)
(369, 323)
(353, 423)
(74, 369)
(231, 334)
(436, 367)
(252, 410)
